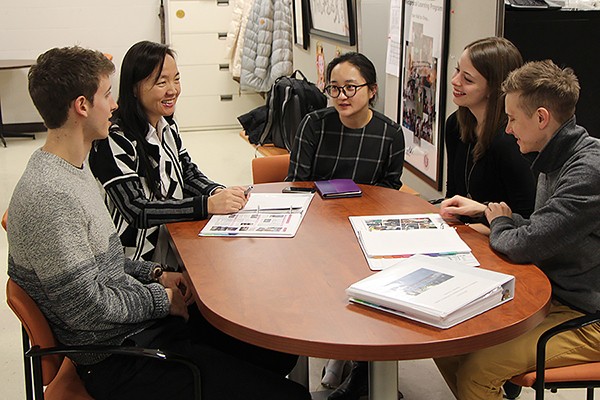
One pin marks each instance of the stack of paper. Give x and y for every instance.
(264, 215)
(433, 290)
(385, 238)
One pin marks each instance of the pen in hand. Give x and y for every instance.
(247, 191)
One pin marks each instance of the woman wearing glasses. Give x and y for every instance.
(350, 139)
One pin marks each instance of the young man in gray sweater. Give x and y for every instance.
(65, 253)
(562, 236)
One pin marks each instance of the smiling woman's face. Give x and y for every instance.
(469, 87)
(159, 96)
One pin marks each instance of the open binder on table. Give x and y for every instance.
(264, 215)
(433, 290)
(386, 238)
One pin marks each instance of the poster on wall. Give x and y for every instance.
(392, 64)
(301, 23)
(334, 20)
(421, 110)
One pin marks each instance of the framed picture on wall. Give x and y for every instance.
(421, 103)
(301, 23)
(334, 19)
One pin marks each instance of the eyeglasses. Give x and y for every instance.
(348, 90)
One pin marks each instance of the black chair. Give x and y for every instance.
(45, 361)
(585, 375)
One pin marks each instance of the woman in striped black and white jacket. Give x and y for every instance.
(147, 174)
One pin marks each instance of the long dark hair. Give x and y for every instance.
(140, 62)
(493, 58)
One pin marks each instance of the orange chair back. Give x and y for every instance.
(270, 169)
(5, 219)
(36, 325)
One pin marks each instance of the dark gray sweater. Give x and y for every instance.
(562, 236)
(64, 251)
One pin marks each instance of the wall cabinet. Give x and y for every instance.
(210, 98)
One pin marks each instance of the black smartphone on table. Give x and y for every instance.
(295, 189)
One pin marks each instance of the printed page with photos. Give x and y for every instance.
(398, 236)
(265, 215)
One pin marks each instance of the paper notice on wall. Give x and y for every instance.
(394, 39)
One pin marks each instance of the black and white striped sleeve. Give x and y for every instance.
(115, 164)
(128, 196)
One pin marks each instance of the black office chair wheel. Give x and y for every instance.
(511, 391)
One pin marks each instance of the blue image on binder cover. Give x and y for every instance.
(288, 101)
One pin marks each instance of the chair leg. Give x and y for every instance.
(590, 393)
(38, 385)
(511, 391)
(27, 366)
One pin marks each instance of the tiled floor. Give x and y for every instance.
(225, 157)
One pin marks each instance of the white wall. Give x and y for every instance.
(374, 33)
(306, 60)
(469, 20)
(30, 27)
(372, 41)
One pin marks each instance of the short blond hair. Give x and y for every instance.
(544, 84)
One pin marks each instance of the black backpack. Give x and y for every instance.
(288, 101)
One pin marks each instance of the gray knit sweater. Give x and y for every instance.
(562, 236)
(64, 251)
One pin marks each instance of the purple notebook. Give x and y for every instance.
(336, 188)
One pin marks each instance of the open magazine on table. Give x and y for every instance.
(264, 215)
(433, 290)
(384, 239)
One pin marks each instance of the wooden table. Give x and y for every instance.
(288, 294)
(13, 64)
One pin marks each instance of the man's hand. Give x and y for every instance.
(459, 205)
(227, 201)
(177, 281)
(495, 210)
(177, 304)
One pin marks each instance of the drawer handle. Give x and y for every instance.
(180, 14)
(223, 67)
(223, 3)
(222, 35)
(226, 97)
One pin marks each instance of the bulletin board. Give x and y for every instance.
(422, 91)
